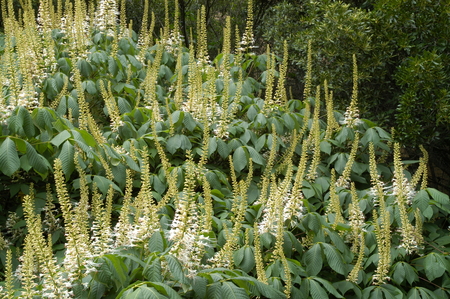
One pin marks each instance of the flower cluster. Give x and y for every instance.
(106, 16)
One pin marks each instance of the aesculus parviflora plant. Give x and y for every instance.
(160, 173)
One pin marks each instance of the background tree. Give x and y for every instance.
(402, 48)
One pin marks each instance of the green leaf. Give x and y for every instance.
(144, 292)
(399, 272)
(329, 287)
(223, 148)
(9, 158)
(256, 157)
(372, 292)
(371, 135)
(152, 270)
(66, 156)
(325, 147)
(96, 290)
(176, 269)
(238, 256)
(43, 118)
(313, 260)
(304, 288)
(84, 67)
(340, 163)
(89, 86)
(131, 163)
(391, 292)
(215, 291)
(316, 290)
(27, 121)
(116, 270)
(239, 159)
(267, 239)
(438, 196)
(173, 143)
(334, 258)
(343, 134)
(421, 200)
(382, 133)
(212, 146)
(435, 265)
(261, 119)
(252, 112)
(24, 164)
(165, 289)
(103, 184)
(260, 143)
(84, 137)
(158, 185)
(248, 262)
(38, 162)
(21, 145)
(199, 285)
(231, 291)
(185, 143)
(60, 138)
(344, 286)
(156, 242)
(189, 122)
(124, 105)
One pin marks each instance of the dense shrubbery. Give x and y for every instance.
(135, 168)
(403, 52)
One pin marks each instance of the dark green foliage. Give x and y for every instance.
(403, 51)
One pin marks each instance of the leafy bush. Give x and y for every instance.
(399, 51)
(138, 168)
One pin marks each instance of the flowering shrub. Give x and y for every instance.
(147, 170)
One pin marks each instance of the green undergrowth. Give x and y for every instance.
(137, 168)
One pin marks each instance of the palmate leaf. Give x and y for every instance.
(391, 292)
(9, 158)
(425, 293)
(435, 265)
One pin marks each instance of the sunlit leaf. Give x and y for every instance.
(9, 159)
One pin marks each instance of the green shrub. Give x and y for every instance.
(138, 168)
